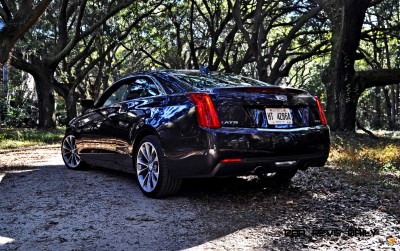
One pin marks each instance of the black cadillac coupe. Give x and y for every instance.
(168, 125)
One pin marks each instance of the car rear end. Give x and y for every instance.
(255, 130)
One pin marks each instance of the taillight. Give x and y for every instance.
(205, 110)
(321, 111)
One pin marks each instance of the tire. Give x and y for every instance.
(70, 155)
(152, 173)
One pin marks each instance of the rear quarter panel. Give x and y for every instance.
(176, 124)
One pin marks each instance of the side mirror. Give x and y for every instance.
(87, 104)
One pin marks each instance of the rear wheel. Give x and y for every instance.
(70, 153)
(152, 173)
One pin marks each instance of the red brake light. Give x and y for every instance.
(205, 110)
(230, 160)
(321, 111)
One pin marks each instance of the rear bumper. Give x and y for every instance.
(259, 150)
(268, 165)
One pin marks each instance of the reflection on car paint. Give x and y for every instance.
(194, 151)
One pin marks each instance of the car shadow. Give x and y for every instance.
(104, 209)
(333, 199)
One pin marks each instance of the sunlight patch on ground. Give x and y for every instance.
(49, 161)
(5, 240)
(22, 171)
(240, 240)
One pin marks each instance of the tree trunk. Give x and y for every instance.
(388, 106)
(5, 48)
(69, 96)
(331, 114)
(342, 91)
(2, 98)
(194, 61)
(46, 102)
(391, 103)
(17, 22)
(397, 96)
(376, 121)
(70, 103)
(393, 106)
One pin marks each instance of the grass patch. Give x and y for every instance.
(370, 159)
(16, 138)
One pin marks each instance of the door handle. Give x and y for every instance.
(112, 115)
(123, 109)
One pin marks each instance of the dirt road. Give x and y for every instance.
(44, 206)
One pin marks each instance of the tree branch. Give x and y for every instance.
(153, 59)
(5, 12)
(67, 49)
(18, 62)
(378, 77)
(290, 36)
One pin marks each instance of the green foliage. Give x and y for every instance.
(15, 138)
(307, 75)
(21, 106)
(177, 33)
(390, 167)
(20, 116)
(367, 159)
(364, 154)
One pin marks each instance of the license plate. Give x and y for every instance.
(279, 116)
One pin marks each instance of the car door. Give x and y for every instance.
(95, 138)
(142, 95)
(121, 112)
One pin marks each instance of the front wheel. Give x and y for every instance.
(152, 173)
(70, 153)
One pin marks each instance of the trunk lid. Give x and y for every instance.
(269, 107)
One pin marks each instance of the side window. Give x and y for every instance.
(169, 84)
(117, 96)
(140, 88)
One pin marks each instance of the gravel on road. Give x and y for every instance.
(45, 206)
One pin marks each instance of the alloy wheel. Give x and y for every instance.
(147, 167)
(70, 152)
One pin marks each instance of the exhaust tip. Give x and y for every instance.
(285, 163)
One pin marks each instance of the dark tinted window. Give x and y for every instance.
(169, 84)
(116, 96)
(140, 88)
(218, 80)
(130, 89)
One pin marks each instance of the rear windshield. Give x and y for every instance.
(218, 80)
